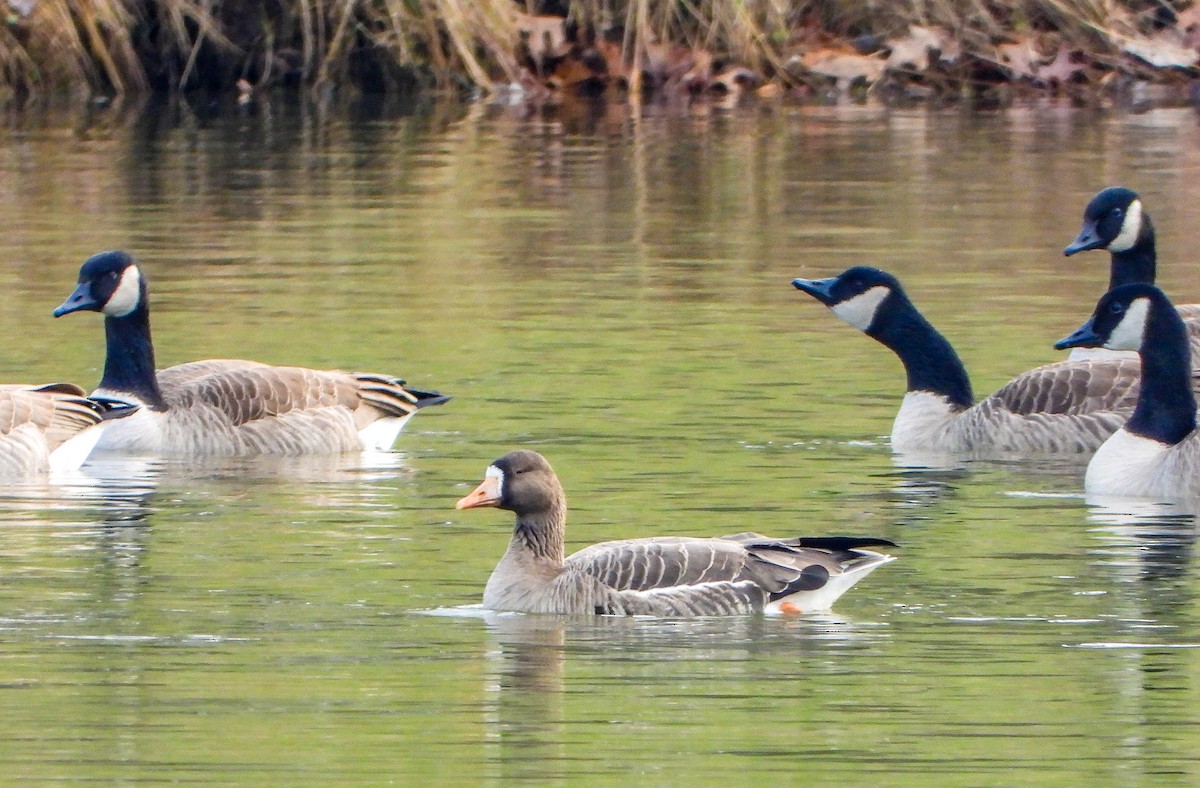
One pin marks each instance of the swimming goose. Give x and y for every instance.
(1157, 452)
(1116, 221)
(662, 576)
(50, 427)
(1071, 406)
(223, 406)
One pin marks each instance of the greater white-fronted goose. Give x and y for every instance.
(1067, 407)
(662, 576)
(225, 406)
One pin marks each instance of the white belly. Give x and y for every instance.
(1128, 464)
(921, 424)
(139, 432)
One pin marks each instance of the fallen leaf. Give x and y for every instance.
(769, 91)
(1188, 23)
(700, 74)
(1165, 50)
(846, 68)
(574, 71)
(913, 51)
(735, 79)
(1021, 58)
(614, 59)
(1063, 68)
(545, 36)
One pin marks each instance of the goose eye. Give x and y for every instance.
(1117, 213)
(1116, 307)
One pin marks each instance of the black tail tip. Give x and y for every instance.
(427, 399)
(845, 542)
(113, 408)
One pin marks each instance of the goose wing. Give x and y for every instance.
(35, 421)
(1072, 388)
(247, 390)
(814, 572)
(660, 562)
(772, 565)
(58, 410)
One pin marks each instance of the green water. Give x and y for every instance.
(612, 290)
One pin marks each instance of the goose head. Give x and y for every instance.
(855, 295)
(1114, 220)
(522, 482)
(109, 282)
(1120, 319)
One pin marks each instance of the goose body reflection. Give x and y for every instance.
(663, 576)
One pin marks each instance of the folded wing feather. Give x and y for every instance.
(247, 390)
(678, 564)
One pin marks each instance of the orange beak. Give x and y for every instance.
(486, 494)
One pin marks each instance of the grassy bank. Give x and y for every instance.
(536, 50)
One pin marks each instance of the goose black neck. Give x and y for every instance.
(1135, 265)
(928, 358)
(541, 535)
(129, 365)
(1166, 406)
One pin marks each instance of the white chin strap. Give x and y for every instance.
(127, 295)
(1130, 229)
(860, 310)
(1131, 330)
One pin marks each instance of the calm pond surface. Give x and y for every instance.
(612, 290)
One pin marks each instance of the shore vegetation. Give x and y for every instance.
(536, 51)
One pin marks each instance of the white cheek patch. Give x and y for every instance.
(860, 310)
(127, 295)
(493, 472)
(1129, 332)
(1130, 229)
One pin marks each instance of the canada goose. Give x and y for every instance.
(50, 427)
(228, 407)
(1157, 452)
(1071, 406)
(663, 576)
(1116, 221)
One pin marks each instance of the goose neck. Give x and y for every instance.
(1135, 265)
(929, 360)
(1166, 406)
(129, 363)
(540, 536)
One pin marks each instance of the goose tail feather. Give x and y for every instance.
(815, 589)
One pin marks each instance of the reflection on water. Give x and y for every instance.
(538, 665)
(612, 288)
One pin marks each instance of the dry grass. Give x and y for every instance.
(122, 46)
